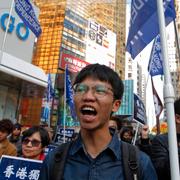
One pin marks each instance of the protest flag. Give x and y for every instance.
(139, 110)
(158, 106)
(69, 93)
(155, 66)
(50, 90)
(25, 11)
(139, 115)
(68, 99)
(144, 25)
(47, 102)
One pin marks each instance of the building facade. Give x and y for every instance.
(78, 33)
(21, 83)
(177, 74)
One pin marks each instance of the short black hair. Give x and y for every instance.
(177, 106)
(126, 129)
(6, 126)
(43, 134)
(17, 126)
(102, 73)
(117, 120)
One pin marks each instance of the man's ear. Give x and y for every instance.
(116, 105)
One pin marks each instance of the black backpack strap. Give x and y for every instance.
(130, 161)
(59, 160)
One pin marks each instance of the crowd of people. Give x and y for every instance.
(96, 151)
(30, 143)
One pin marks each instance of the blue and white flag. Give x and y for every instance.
(47, 101)
(155, 66)
(139, 110)
(69, 93)
(16, 168)
(144, 25)
(50, 90)
(45, 114)
(26, 12)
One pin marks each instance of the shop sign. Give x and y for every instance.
(74, 64)
(22, 31)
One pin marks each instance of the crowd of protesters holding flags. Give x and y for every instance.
(32, 142)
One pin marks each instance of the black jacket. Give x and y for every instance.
(160, 156)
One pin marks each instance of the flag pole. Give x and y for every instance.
(136, 132)
(64, 113)
(6, 31)
(168, 97)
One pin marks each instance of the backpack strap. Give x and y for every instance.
(130, 161)
(60, 158)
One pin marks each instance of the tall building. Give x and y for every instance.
(177, 74)
(72, 17)
(78, 33)
(47, 49)
(141, 83)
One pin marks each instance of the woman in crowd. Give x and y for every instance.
(15, 137)
(6, 148)
(34, 142)
(126, 134)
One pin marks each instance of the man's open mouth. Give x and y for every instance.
(88, 110)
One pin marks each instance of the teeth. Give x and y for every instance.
(88, 109)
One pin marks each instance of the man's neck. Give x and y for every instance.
(95, 141)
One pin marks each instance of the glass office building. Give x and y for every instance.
(78, 33)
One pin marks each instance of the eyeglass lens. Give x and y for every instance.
(99, 90)
(34, 142)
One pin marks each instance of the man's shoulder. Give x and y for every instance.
(161, 138)
(143, 162)
(59, 151)
(141, 157)
(165, 135)
(10, 145)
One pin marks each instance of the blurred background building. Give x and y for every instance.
(78, 33)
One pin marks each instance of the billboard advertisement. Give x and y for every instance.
(101, 45)
(74, 64)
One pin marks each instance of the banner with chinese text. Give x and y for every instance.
(16, 168)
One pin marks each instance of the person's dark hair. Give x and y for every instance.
(177, 106)
(102, 73)
(124, 130)
(6, 126)
(17, 126)
(43, 134)
(117, 120)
